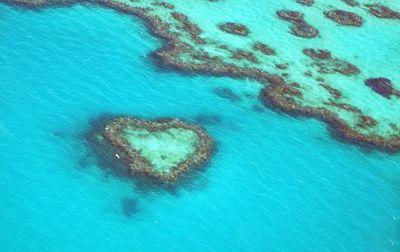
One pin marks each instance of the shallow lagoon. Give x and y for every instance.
(165, 149)
(276, 182)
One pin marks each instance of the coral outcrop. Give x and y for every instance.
(162, 149)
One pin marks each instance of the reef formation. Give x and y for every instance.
(163, 149)
(344, 17)
(318, 68)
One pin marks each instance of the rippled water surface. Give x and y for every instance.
(276, 183)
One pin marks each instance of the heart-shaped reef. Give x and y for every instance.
(161, 149)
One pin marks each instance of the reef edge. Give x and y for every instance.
(273, 95)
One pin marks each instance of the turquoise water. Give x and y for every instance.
(276, 183)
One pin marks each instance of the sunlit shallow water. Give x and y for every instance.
(276, 183)
(164, 149)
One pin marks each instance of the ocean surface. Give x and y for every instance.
(276, 183)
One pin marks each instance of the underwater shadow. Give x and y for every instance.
(227, 93)
(129, 207)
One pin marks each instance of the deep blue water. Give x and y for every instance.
(276, 183)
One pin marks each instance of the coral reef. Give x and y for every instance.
(162, 149)
(278, 96)
(382, 86)
(325, 63)
(299, 27)
(233, 28)
(259, 46)
(336, 94)
(344, 17)
(306, 2)
(351, 3)
(382, 11)
(294, 77)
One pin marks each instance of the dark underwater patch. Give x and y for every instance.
(258, 108)
(204, 119)
(227, 93)
(129, 207)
